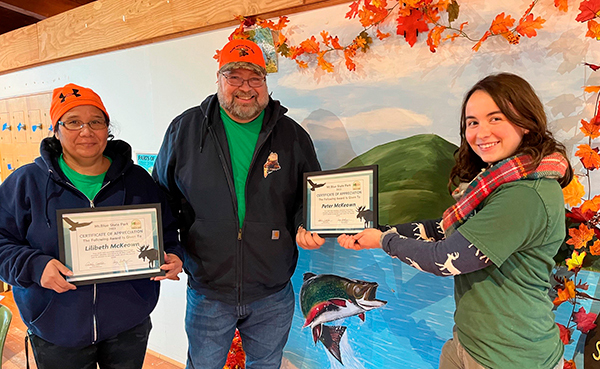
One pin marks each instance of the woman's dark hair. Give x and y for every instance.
(55, 142)
(517, 100)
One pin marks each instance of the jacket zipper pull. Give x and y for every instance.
(239, 234)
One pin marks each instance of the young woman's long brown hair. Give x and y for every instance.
(518, 102)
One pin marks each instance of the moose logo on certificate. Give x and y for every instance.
(340, 201)
(111, 243)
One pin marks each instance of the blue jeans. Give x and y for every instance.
(264, 326)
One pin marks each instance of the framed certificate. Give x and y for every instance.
(341, 201)
(111, 244)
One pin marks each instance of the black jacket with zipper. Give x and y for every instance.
(223, 261)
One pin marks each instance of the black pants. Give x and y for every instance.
(126, 350)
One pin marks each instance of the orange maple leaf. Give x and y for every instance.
(366, 17)
(592, 205)
(595, 248)
(589, 157)
(527, 26)
(580, 236)
(573, 192)
(324, 64)
(441, 5)
(325, 36)
(501, 24)
(310, 45)
(335, 42)
(381, 35)
(296, 51)
(361, 42)
(349, 53)
(380, 3)
(565, 294)
(283, 21)
(562, 5)
(410, 26)
(302, 64)
(217, 54)
(434, 36)
(591, 130)
(482, 40)
(593, 30)
(591, 89)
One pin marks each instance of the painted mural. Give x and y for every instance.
(399, 109)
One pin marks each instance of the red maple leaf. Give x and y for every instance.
(590, 9)
(593, 66)
(585, 321)
(565, 334)
(410, 25)
(353, 10)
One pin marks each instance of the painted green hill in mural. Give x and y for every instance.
(413, 177)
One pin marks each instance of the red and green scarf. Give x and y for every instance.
(515, 168)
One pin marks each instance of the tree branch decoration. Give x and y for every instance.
(583, 240)
(436, 18)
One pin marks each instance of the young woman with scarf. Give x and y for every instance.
(499, 239)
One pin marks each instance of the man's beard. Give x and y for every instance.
(242, 112)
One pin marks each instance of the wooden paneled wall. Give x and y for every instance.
(107, 25)
(24, 122)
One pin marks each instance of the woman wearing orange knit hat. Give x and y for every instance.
(105, 324)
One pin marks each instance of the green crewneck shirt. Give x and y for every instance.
(89, 185)
(242, 138)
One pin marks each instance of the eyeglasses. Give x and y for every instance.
(77, 125)
(236, 81)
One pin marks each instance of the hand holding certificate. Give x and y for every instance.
(111, 243)
(341, 201)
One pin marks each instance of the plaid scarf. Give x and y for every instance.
(515, 168)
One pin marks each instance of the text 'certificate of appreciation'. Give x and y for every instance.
(111, 243)
(340, 201)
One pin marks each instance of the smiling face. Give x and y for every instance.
(244, 103)
(85, 145)
(489, 133)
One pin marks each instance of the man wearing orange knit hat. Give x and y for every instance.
(233, 167)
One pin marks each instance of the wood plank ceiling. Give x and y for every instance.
(19, 13)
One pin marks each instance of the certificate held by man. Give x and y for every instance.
(341, 201)
(110, 244)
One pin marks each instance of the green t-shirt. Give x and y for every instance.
(504, 315)
(89, 185)
(242, 138)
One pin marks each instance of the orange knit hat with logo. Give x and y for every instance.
(242, 51)
(71, 95)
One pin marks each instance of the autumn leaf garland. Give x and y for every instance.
(412, 18)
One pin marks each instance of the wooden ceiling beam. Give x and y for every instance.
(21, 11)
(41, 9)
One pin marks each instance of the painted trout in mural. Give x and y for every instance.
(326, 298)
